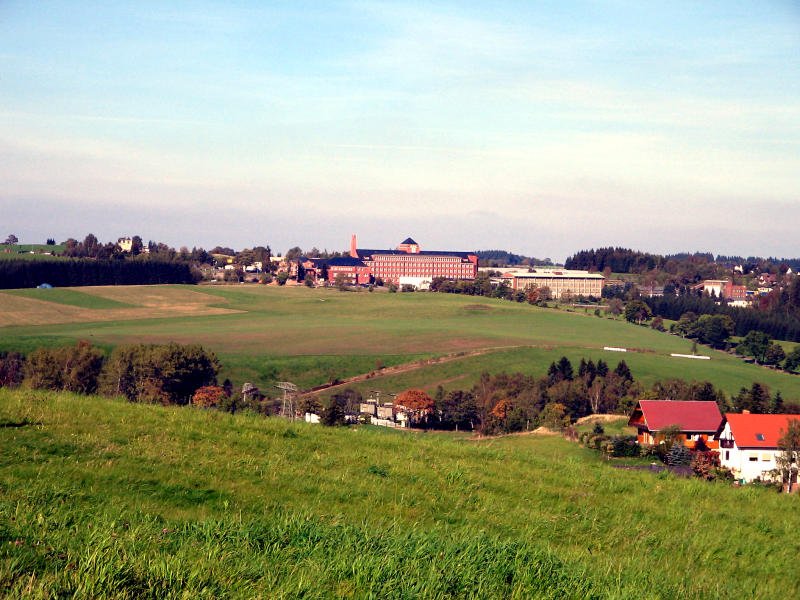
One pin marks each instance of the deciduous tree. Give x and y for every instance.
(788, 457)
(637, 312)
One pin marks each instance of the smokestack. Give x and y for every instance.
(353, 251)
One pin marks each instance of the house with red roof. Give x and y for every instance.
(748, 444)
(698, 421)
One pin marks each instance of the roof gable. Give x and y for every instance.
(408, 241)
(689, 415)
(758, 431)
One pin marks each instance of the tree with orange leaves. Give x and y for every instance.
(417, 404)
(415, 400)
(501, 409)
(208, 396)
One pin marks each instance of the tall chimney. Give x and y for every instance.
(353, 251)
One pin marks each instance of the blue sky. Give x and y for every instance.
(539, 127)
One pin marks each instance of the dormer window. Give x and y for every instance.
(760, 437)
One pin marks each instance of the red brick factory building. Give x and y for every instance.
(407, 264)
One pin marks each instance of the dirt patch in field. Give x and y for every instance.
(151, 302)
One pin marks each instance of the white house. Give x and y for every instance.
(748, 443)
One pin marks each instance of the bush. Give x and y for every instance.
(647, 451)
(769, 484)
(12, 365)
(209, 396)
(333, 411)
(164, 374)
(679, 455)
(706, 465)
(73, 369)
(624, 446)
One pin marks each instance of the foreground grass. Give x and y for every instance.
(101, 498)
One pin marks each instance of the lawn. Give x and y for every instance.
(310, 336)
(101, 498)
(70, 297)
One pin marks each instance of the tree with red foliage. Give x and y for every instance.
(209, 396)
(417, 404)
(415, 400)
(501, 409)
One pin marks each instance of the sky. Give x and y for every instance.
(542, 128)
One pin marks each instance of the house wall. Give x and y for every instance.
(690, 440)
(746, 463)
(578, 284)
(391, 267)
(355, 275)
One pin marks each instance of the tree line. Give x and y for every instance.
(149, 373)
(703, 264)
(21, 273)
(503, 258)
(780, 324)
(513, 402)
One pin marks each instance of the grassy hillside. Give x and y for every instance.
(311, 336)
(100, 498)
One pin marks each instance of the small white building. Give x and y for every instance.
(748, 444)
(419, 283)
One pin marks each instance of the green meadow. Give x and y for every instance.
(104, 499)
(312, 336)
(101, 498)
(70, 297)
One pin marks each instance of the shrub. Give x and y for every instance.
(209, 396)
(74, 369)
(769, 484)
(333, 411)
(12, 365)
(624, 446)
(679, 455)
(647, 451)
(706, 465)
(164, 374)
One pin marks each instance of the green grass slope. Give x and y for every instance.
(310, 336)
(101, 498)
(70, 297)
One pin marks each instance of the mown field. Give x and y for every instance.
(101, 498)
(263, 334)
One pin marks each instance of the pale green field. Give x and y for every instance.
(311, 336)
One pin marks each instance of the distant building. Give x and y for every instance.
(125, 244)
(559, 281)
(650, 290)
(410, 263)
(724, 289)
(352, 269)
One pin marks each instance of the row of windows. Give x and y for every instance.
(417, 258)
